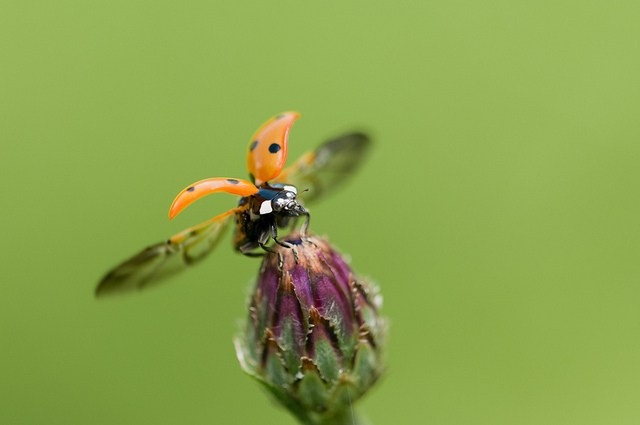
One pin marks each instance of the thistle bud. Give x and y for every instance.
(313, 336)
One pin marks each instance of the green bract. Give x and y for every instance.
(313, 336)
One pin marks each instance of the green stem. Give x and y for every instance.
(343, 417)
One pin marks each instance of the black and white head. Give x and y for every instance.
(282, 201)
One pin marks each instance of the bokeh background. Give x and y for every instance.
(499, 211)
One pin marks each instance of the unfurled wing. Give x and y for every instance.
(328, 167)
(165, 259)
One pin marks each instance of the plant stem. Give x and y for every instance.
(343, 417)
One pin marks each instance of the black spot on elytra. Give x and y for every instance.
(191, 189)
(253, 145)
(233, 181)
(279, 116)
(274, 147)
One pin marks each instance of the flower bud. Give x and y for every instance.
(313, 336)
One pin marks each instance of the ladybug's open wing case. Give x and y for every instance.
(206, 187)
(165, 259)
(268, 147)
(328, 167)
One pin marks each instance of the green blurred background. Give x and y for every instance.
(498, 212)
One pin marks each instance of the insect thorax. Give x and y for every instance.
(263, 213)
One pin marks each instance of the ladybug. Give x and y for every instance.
(269, 201)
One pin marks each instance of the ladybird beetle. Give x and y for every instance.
(269, 202)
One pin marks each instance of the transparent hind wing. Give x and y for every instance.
(162, 260)
(328, 167)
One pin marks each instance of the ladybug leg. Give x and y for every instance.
(274, 232)
(247, 249)
(266, 248)
(265, 234)
(281, 243)
(305, 225)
